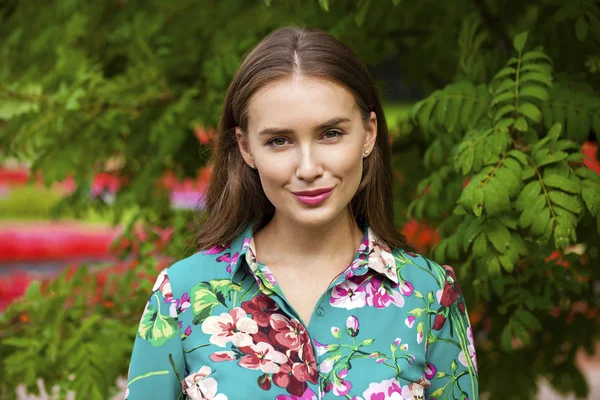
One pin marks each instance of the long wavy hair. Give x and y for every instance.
(235, 197)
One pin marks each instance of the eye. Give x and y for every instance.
(277, 142)
(333, 134)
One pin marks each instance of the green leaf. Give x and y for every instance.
(503, 97)
(503, 111)
(563, 183)
(494, 269)
(537, 92)
(519, 41)
(591, 198)
(534, 55)
(536, 77)
(566, 201)
(325, 5)
(528, 319)
(522, 333)
(480, 245)
(519, 155)
(530, 111)
(506, 338)
(499, 236)
(521, 124)
(203, 300)
(504, 72)
(506, 84)
(157, 328)
(540, 222)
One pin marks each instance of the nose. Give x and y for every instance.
(309, 166)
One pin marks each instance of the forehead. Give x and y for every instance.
(299, 102)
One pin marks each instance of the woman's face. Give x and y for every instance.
(307, 140)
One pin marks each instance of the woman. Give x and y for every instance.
(303, 288)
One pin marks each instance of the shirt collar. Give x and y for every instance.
(380, 257)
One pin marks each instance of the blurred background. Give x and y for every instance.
(108, 112)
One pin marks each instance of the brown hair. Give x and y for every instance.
(235, 197)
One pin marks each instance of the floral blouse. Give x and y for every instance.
(217, 326)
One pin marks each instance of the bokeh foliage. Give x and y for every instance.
(492, 155)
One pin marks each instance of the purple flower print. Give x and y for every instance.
(348, 295)
(215, 250)
(430, 370)
(410, 321)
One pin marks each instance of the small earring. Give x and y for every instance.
(252, 166)
(366, 151)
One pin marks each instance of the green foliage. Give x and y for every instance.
(526, 192)
(62, 331)
(491, 157)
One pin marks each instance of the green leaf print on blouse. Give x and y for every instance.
(157, 328)
(205, 296)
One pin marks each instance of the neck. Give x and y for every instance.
(283, 241)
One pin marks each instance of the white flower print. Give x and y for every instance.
(234, 326)
(199, 386)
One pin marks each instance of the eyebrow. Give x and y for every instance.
(327, 124)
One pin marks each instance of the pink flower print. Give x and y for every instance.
(199, 386)
(429, 371)
(234, 326)
(406, 288)
(348, 295)
(379, 296)
(335, 332)
(341, 387)
(471, 348)
(261, 307)
(420, 334)
(262, 356)
(232, 262)
(397, 342)
(269, 275)
(290, 333)
(220, 356)
(410, 321)
(352, 325)
(215, 250)
(179, 306)
(307, 395)
(306, 369)
(188, 331)
(386, 390)
(383, 261)
(163, 285)
(224, 258)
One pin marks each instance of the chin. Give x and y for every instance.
(315, 217)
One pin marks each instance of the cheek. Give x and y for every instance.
(348, 167)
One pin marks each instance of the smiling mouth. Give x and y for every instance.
(313, 197)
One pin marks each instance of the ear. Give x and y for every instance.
(244, 145)
(370, 133)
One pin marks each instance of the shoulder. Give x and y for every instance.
(203, 266)
(424, 273)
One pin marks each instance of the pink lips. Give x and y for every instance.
(313, 197)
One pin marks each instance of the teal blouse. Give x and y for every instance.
(393, 326)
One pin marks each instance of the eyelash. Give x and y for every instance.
(271, 143)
